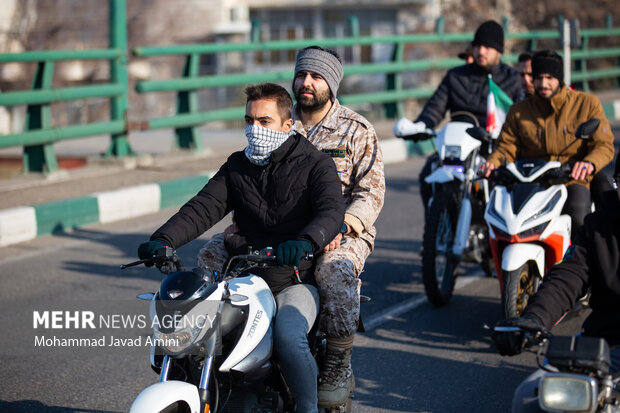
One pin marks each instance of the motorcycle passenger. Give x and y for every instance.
(592, 262)
(466, 88)
(525, 74)
(286, 194)
(351, 141)
(543, 126)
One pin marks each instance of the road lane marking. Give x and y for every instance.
(410, 304)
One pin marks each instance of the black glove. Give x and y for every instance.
(510, 343)
(290, 252)
(147, 249)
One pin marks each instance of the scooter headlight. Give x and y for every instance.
(567, 393)
(493, 212)
(548, 208)
(536, 231)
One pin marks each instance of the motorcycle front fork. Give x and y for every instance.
(203, 387)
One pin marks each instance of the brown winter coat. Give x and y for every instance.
(544, 128)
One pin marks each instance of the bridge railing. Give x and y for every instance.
(39, 136)
(188, 116)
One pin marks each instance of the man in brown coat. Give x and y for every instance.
(543, 126)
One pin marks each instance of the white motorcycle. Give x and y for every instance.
(454, 228)
(528, 232)
(577, 375)
(217, 356)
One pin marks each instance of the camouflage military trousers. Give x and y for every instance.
(337, 276)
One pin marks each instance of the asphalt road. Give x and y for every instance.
(418, 359)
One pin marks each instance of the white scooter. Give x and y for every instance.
(454, 228)
(218, 354)
(528, 232)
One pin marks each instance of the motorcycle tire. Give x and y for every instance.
(438, 263)
(518, 287)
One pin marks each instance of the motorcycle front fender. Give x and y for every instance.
(515, 255)
(158, 396)
(443, 175)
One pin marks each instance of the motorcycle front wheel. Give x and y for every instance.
(438, 262)
(519, 286)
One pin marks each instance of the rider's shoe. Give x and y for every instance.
(336, 382)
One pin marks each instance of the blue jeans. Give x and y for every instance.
(525, 398)
(298, 307)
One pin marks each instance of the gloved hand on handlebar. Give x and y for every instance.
(147, 249)
(291, 252)
(510, 343)
(404, 127)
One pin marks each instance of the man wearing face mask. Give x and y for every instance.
(543, 126)
(284, 193)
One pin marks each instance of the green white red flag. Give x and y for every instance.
(498, 103)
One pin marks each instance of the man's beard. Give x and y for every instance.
(312, 103)
(553, 93)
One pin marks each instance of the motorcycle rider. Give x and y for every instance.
(351, 141)
(283, 193)
(544, 125)
(465, 88)
(591, 262)
(525, 73)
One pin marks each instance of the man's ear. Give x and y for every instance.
(287, 126)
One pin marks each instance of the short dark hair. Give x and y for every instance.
(330, 51)
(524, 57)
(271, 91)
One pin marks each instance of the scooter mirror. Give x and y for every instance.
(478, 133)
(587, 128)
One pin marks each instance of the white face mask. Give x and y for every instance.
(262, 142)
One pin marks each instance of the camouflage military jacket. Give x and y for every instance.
(352, 143)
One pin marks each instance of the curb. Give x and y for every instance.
(26, 223)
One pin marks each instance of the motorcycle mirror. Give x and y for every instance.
(478, 133)
(587, 129)
(146, 296)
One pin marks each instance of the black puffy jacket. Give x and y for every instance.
(296, 196)
(466, 88)
(592, 262)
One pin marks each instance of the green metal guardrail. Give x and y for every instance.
(39, 136)
(188, 117)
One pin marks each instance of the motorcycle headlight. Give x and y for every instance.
(537, 230)
(548, 208)
(567, 393)
(493, 212)
(452, 152)
(178, 340)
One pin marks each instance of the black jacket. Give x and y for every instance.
(466, 88)
(592, 262)
(296, 196)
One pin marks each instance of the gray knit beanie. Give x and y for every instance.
(322, 63)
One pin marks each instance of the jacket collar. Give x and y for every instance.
(284, 149)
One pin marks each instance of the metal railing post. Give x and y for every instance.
(41, 157)
(394, 81)
(118, 75)
(187, 102)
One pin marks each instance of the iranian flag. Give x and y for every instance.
(498, 103)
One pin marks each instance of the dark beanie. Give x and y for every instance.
(548, 62)
(490, 34)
